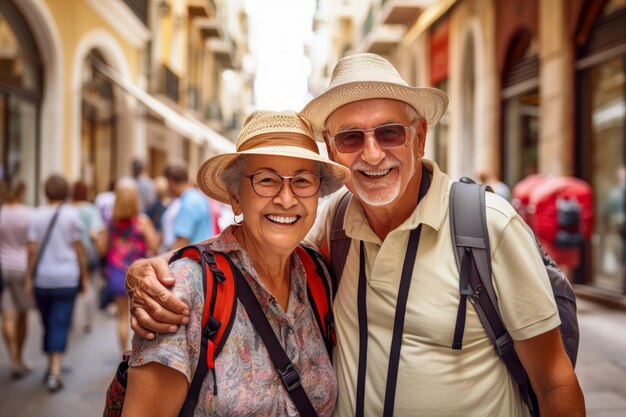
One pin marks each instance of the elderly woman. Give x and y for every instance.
(56, 271)
(274, 180)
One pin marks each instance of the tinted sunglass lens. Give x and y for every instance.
(349, 141)
(390, 136)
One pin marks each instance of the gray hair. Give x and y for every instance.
(234, 173)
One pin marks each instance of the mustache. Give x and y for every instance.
(387, 163)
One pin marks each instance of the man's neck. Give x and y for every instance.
(384, 219)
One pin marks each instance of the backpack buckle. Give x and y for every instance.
(504, 344)
(290, 377)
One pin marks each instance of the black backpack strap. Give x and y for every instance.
(339, 242)
(45, 241)
(284, 366)
(471, 242)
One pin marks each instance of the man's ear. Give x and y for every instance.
(329, 145)
(420, 135)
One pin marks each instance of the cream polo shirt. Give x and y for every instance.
(433, 379)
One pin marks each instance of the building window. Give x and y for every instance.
(98, 144)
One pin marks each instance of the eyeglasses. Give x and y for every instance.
(269, 184)
(387, 136)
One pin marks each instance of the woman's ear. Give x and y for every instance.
(234, 203)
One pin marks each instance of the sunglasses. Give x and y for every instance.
(390, 135)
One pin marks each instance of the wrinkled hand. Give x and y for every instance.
(154, 309)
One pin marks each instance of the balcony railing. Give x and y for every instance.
(168, 83)
(193, 98)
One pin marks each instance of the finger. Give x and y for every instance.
(142, 286)
(140, 331)
(162, 295)
(162, 271)
(154, 307)
(149, 324)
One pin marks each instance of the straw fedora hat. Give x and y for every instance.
(366, 76)
(266, 133)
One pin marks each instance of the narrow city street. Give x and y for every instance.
(92, 358)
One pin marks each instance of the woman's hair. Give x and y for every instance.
(56, 188)
(80, 190)
(126, 199)
(330, 183)
(13, 191)
(233, 175)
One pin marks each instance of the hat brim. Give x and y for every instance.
(430, 103)
(210, 178)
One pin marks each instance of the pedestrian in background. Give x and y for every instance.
(57, 271)
(131, 236)
(145, 185)
(93, 238)
(14, 220)
(167, 225)
(491, 179)
(194, 221)
(104, 201)
(163, 199)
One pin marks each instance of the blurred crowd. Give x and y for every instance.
(68, 257)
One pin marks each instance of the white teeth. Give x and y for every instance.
(376, 173)
(281, 219)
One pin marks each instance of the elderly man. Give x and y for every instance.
(394, 357)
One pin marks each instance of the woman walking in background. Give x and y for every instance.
(57, 270)
(14, 219)
(131, 237)
(94, 240)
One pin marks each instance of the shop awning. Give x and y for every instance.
(182, 124)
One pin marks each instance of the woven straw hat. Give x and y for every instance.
(366, 76)
(266, 133)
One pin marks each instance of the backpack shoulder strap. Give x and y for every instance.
(217, 317)
(284, 367)
(470, 240)
(320, 291)
(339, 242)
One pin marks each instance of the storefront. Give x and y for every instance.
(601, 138)
(21, 74)
(520, 109)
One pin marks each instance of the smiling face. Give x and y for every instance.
(380, 176)
(277, 223)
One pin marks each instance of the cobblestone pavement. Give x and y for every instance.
(91, 360)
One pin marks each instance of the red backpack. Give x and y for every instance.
(220, 289)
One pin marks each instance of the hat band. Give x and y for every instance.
(279, 139)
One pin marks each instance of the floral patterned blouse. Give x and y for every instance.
(247, 382)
